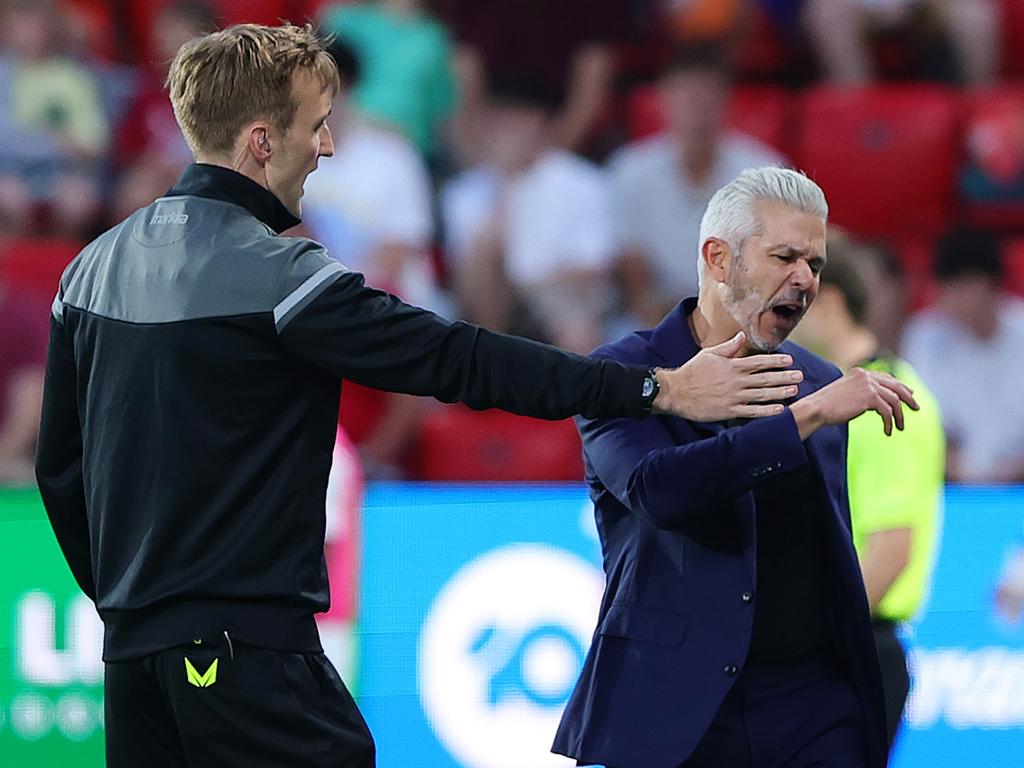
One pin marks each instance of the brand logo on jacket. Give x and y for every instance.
(169, 218)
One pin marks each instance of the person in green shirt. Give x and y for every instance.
(896, 482)
(406, 79)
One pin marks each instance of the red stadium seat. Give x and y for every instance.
(994, 146)
(35, 265)
(1013, 37)
(765, 113)
(886, 156)
(1013, 263)
(253, 11)
(756, 110)
(459, 444)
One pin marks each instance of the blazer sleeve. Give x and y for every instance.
(327, 317)
(59, 457)
(670, 484)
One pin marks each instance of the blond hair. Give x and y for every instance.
(220, 82)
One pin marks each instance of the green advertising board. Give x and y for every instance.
(51, 673)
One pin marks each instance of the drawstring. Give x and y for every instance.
(231, 647)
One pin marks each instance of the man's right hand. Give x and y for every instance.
(717, 384)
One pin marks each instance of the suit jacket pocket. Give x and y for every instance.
(645, 624)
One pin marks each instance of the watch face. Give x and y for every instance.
(648, 389)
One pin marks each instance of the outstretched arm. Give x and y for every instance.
(329, 318)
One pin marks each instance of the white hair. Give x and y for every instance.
(731, 215)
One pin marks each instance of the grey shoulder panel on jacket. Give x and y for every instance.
(188, 258)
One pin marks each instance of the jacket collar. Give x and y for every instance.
(219, 183)
(671, 339)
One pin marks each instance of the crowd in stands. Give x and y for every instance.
(541, 168)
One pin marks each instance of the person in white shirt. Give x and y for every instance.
(840, 32)
(529, 233)
(370, 203)
(662, 184)
(969, 348)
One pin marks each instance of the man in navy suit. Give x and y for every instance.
(734, 629)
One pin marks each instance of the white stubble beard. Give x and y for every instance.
(745, 307)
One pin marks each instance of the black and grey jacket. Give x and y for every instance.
(191, 401)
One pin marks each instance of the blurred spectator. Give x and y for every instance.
(662, 184)
(370, 205)
(405, 55)
(969, 348)
(567, 47)
(53, 121)
(529, 231)
(659, 27)
(839, 31)
(25, 324)
(150, 148)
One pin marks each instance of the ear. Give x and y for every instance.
(258, 142)
(717, 258)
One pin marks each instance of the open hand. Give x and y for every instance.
(847, 398)
(717, 384)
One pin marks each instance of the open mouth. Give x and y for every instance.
(788, 313)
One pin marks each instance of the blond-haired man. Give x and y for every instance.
(189, 414)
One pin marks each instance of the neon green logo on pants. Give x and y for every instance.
(204, 680)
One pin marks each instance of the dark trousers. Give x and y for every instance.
(256, 708)
(892, 658)
(799, 715)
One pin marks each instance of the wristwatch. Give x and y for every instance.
(649, 391)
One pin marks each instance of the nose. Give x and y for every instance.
(327, 143)
(802, 276)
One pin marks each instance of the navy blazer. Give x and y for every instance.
(677, 518)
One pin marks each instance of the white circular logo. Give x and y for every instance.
(501, 650)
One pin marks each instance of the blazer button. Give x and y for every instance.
(747, 597)
(731, 670)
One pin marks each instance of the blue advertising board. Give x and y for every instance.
(478, 604)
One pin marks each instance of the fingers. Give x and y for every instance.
(885, 411)
(756, 363)
(772, 379)
(749, 411)
(903, 392)
(906, 394)
(766, 394)
(729, 348)
(893, 399)
(895, 408)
